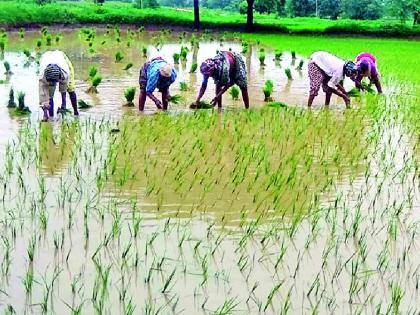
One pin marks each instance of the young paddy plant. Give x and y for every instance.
(129, 94)
(268, 90)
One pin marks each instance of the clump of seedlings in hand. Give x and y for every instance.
(234, 92)
(261, 57)
(11, 103)
(193, 67)
(288, 73)
(128, 66)
(6, 65)
(300, 65)
(183, 86)
(175, 99)
(268, 90)
(176, 57)
(119, 56)
(129, 94)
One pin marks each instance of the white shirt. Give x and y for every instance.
(46, 91)
(331, 65)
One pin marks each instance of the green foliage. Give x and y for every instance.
(261, 57)
(183, 86)
(176, 57)
(288, 73)
(119, 56)
(268, 90)
(11, 103)
(193, 67)
(92, 72)
(129, 94)
(83, 105)
(234, 92)
(128, 66)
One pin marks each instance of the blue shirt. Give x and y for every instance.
(153, 77)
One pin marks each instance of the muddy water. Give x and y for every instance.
(225, 246)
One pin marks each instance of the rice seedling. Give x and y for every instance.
(7, 68)
(234, 92)
(176, 57)
(193, 67)
(184, 53)
(129, 94)
(277, 55)
(94, 83)
(11, 103)
(119, 56)
(22, 108)
(144, 51)
(183, 86)
(128, 66)
(268, 90)
(261, 57)
(288, 73)
(300, 65)
(83, 105)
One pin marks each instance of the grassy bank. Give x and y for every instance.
(15, 14)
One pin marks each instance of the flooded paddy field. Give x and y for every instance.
(274, 210)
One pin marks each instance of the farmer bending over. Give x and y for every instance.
(156, 73)
(366, 67)
(226, 69)
(55, 67)
(328, 71)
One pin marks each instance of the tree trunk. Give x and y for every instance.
(250, 16)
(196, 14)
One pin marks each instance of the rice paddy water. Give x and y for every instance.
(274, 210)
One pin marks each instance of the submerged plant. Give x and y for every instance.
(300, 65)
(129, 94)
(288, 73)
(176, 57)
(234, 92)
(193, 67)
(128, 66)
(261, 57)
(83, 105)
(119, 56)
(268, 90)
(277, 55)
(7, 68)
(184, 53)
(11, 103)
(22, 108)
(183, 86)
(94, 83)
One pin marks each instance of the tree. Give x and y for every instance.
(300, 7)
(250, 15)
(363, 9)
(404, 9)
(196, 14)
(329, 9)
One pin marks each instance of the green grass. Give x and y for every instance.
(16, 14)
